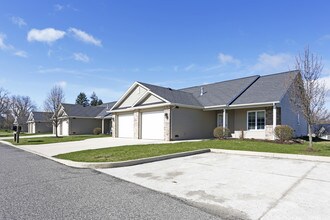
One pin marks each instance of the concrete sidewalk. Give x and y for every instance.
(93, 143)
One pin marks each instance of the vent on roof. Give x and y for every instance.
(202, 91)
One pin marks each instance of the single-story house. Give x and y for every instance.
(40, 122)
(78, 119)
(23, 124)
(251, 106)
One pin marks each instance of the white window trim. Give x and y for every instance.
(218, 118)
(256, 127)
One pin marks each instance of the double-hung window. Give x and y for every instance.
(256, 120)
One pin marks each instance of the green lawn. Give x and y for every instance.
(49, 140)
(9, 133)
(143, 151)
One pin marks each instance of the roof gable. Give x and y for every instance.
(132, 97)
(149, 99)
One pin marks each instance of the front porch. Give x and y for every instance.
(256, 123)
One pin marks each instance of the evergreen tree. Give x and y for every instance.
(95, 100)
(82, 99)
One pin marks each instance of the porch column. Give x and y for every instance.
(274, 120)
(224, 118)
(102, 125)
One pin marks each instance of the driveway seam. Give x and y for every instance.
(294, 185)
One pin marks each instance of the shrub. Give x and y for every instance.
(283, 132)
(221, 132)
(97, 131)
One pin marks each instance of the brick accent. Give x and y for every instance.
(167, 124)
(113, 126)
(137, 118)
(269, 116)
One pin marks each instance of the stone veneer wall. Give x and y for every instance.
(167, 124)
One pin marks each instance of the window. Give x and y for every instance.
(256, 120)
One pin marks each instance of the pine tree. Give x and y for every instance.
(82, 99)
(95, 100)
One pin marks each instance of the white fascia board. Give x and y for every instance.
(215, 107)
(125, 94)
(153, 93)
(258, 104)
(187, 106)
(140, 107)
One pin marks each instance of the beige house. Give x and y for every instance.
(251, 106)
(78, 119)
(39, 122)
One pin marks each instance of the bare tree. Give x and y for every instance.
(20, 107)
(309, 92)
(4, 101)
(53, 104)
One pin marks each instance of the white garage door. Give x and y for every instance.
(153, 125)
(126, 126)
(65, 127)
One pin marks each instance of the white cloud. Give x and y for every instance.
(227, 59)
(85, 37)
(189, 67)
(81, 57)
(18, 21)
(21, 53)
(62, 84)
(3, 45)
(10, 48)
(58, 7)
(272, 63)
(47, 35)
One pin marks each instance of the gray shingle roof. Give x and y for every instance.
(269, 88)
(107, 107)
(42, 116)
(76, 110)
(172, 95)
(247, 90)
(220, 93)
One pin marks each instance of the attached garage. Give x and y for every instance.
(126, 126)
(152, 125)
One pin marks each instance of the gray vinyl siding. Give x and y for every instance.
(290, 117)
(192, 123)
(83, 125)
(43, 127)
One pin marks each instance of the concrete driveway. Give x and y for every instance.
(93, 143)
(240, 187)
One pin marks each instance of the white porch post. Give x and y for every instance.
(102, 125)
(274, 120)
(224, 118)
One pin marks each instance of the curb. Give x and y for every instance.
(274, 155)
(102, 165)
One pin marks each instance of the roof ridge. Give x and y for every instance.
(279, 73)
(221, 81)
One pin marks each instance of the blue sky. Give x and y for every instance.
(104, 46)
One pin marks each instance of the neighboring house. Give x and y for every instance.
(77, 119)
(24, 126)
(40, 122)
(251, 106)
(322, 131)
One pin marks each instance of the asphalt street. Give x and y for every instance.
(32, 187)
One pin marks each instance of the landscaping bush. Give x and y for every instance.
(221, 132)
(97, 131)
(283, 132)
